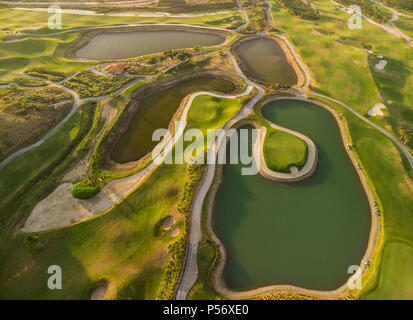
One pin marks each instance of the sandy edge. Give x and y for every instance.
(289, 56)
(85, 38)
(343, 291)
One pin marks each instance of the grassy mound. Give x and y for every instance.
(282, 150)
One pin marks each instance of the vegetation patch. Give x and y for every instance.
(371, 10)
(27, 115)
(283, 150)
(178, 248)
(89, 84)
(54, 76)
(300, 8)
(399, 4)
(85, 189)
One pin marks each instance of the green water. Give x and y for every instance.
(156, 112)
(305, 234)
(265, 61)
(124, 45)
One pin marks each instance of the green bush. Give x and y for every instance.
(85, 189)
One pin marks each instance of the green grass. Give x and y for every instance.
(88, 84)
(283, 150)
(209, 112)
(47, 52)
(397, 261)
(19, 20)
(406, 25)
(202, 290)
(30, 165)
(121, 247)
(341, 70)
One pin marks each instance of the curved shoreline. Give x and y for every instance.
(106, 160)
(341, 292)
(85, 39)
(114, 192)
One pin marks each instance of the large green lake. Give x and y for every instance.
(156, 112)
(306, 233)
(122, 45)
(265, 60)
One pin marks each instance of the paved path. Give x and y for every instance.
(393, 10)
(387, 134)
(77, 101)
(61, 209)
(75, 105)
(190, 272)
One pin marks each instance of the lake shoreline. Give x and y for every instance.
(217, 276)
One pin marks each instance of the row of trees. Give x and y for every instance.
(399, 4)
(300, 9)
(369, 9)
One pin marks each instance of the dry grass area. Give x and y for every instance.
(27, 115)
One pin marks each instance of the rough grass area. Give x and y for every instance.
(27, 115)
(47, 74)
(28, 178)
(300, 9)
(376, 12)
(122, 247)
(88, 84)
(283, 150)
(348, 78)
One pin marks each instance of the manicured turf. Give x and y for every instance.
(283, 150)
(397, 261)
(48, 51)
(18, 20)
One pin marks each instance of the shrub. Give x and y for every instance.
(85, 189)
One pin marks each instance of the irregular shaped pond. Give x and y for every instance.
(265, 60)
(122, 45)
(305, 234)
(156, 112)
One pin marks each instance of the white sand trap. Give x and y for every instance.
(376, 110)
(381, 64)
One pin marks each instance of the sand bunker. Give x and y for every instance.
(381, 64)
(175, 232)
(167, 223)
(376, 110)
